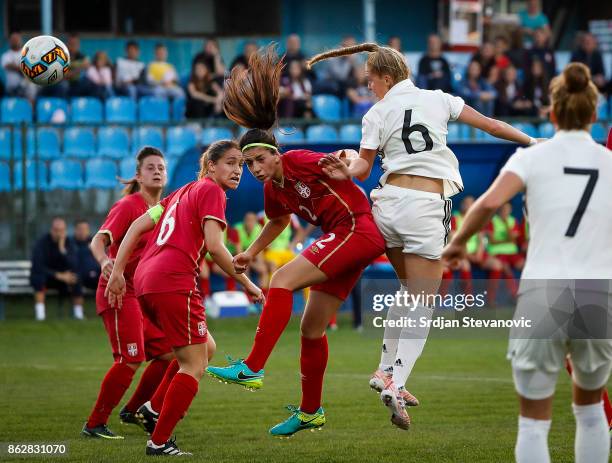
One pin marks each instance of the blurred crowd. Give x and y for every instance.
(507, 76)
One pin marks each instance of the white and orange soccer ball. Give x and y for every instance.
(44, 60)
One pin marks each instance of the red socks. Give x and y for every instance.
(150, 379)
(313, 360)
(274, 318)
(181, 392)
(157, 400)
(466, 277)
(115, 383)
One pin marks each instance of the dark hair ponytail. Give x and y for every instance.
(132, 185)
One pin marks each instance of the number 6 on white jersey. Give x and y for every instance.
(167, 226)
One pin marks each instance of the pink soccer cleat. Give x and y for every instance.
(380, 380)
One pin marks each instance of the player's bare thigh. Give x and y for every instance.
(319, 310)
(421, 275)
(297, 274)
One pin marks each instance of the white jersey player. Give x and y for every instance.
(408, 128)
(565, 286)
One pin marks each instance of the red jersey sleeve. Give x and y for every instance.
(118, 220)
(211, 204)
(305, 162)
(453, 223)
(272, 206)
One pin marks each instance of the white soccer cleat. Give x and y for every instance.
(391, 398)
(380, 380)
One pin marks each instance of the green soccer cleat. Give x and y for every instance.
(99, 432)
(237, 372)
(299, 421)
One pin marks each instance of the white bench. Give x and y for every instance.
(15, 277)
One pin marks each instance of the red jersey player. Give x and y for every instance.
(186, 224)
(295, 183)
(132, 337)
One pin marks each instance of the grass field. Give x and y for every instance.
(50, 374)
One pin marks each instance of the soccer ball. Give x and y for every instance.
(44, 60)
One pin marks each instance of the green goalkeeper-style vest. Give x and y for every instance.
(472, 243)
(501, 233)
(282, 241)
(245, 238)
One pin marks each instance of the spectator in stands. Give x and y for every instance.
(395, 42)
(243, 60)
(589, 54)
(211, 56)
(541, 50)
(501, 46)
(100, 76)
(88, 269)
(293, 51)
(476, 91)
(511, 99)
(337, 72)
(536, 88)
(295, 93)
(204, 95)
(162, 75)
(248, 230)
(79, 63)
(532, 19)
(16, 83)
(493, 77)
(130, 76)
(517, 53)
(486, 57)
(434, 71)
(53, 266)
(358, 93)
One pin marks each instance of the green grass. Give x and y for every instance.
(50, 373)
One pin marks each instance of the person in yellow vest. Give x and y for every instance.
(248, 230)
(232, 243)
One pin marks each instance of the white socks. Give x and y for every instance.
(592, 443)
(77, 311)
(411, 343)
(532, 441)
(392, 335)
(39, 311)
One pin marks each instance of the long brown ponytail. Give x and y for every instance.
(574, 97)
(381, 60)
(132, 185)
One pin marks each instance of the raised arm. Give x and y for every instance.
(498, 129)
(341, 168)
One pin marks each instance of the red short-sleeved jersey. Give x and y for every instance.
(309, 193)
(117, 222)
(172, 258)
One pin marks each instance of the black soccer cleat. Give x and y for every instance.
(169, 449)
(127, 417)
(99, 432)
(147, 417)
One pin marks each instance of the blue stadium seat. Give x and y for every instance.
(15, 110)
(100, 173)
(603, 109)
(31, 168)
(45, 107)
(47, 143)
(598, 132)
(350, 133)
(127, 168)
(113, 142)
(17, 145)
(120, 109)
(153, 109)
(529, 129)
(86, 110)
(5, 177)
(5, 143)
(178, 109)
(213, 134)
(66, 174)
(79, 142)
(321, 133)
(289, 135)
(327, 107)
(547, 130)
(454, 133)
(179, 140)
(148, 136)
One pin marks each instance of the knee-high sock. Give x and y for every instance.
(392, 334)
(116, 381)
(313, 361)
(157, 400)
(411, 343)
(274, 318)
(181, 392)
(532, 441)
(592, 440)
(149, 381)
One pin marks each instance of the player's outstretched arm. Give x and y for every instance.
(498, 129)
(213, 236)
(98, 246)
(344, 168)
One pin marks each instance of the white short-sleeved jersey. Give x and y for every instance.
(568, 182)
(409, 127)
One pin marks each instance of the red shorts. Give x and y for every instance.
(343, 254)
(132, 336)
(513, 260)
(179, 315)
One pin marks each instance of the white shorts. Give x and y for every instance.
(416, 221)
(538, 354)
